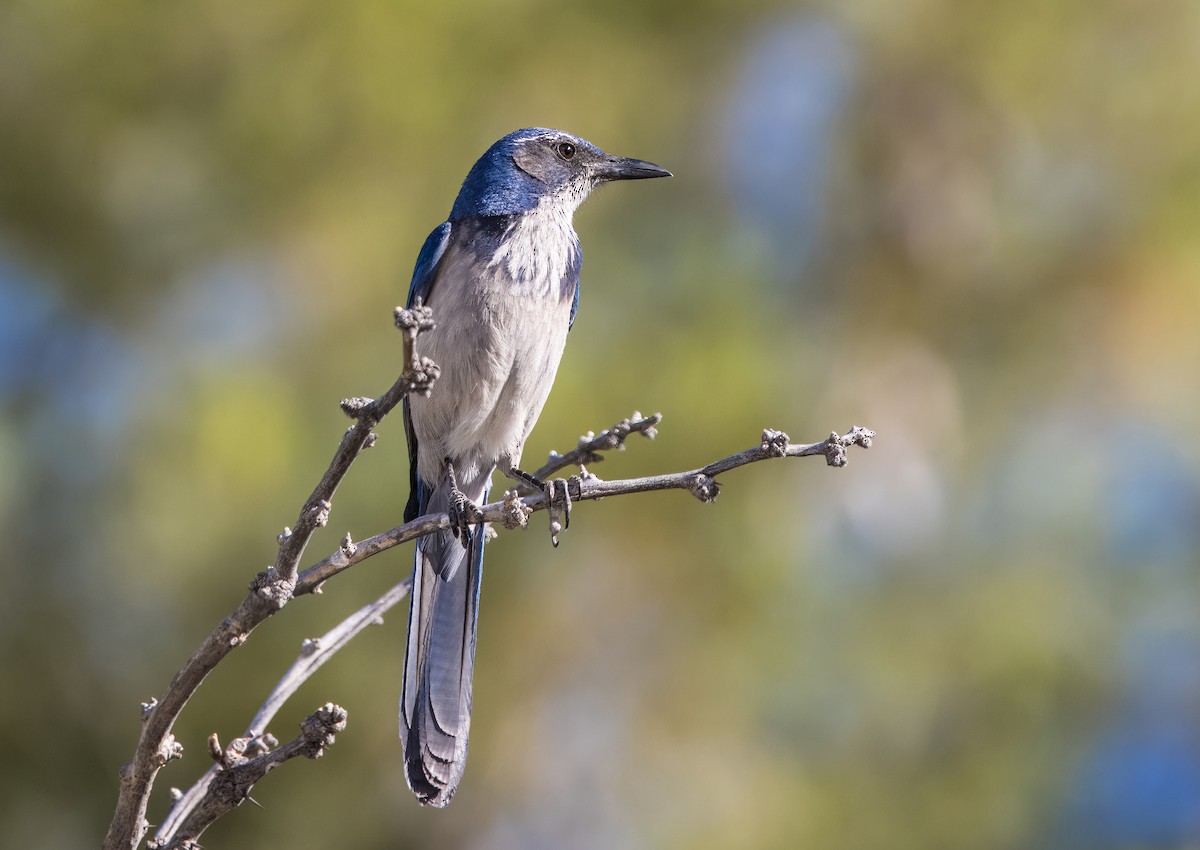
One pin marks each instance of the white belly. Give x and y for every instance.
(498, 346)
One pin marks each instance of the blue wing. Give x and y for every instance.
(424, 276)
(425, 272)
(574, 302)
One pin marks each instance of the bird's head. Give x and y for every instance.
(527, 166)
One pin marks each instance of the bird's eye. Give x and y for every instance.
(566, 150)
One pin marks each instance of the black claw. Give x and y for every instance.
(566, 501)
(558, 498)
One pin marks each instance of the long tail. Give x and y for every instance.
(435, 709)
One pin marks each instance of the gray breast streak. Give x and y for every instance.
(540, 249)
(498, 341)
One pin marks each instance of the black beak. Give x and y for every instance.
(622, 168)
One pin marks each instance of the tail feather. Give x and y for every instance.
(435, 710)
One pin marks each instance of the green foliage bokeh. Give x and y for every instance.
(213, 208)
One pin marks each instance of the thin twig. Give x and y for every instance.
(590, 445)
(269, 592)
(242, 763)
(513, 511)
(313, 653)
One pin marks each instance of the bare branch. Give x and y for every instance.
(590, 445)
(418, 377)
(313, 653)
(269, 592)
(316, 651)
(247, 760)
(513, 510)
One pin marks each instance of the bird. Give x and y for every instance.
(501, 276)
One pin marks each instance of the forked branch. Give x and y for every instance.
(270, 590)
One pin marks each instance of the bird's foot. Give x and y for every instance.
(461, 510)
(558, 496)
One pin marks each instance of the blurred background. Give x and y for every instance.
(970, 226)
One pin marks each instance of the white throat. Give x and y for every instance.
(540, 246)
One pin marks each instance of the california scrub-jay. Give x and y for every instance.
(502, 278)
